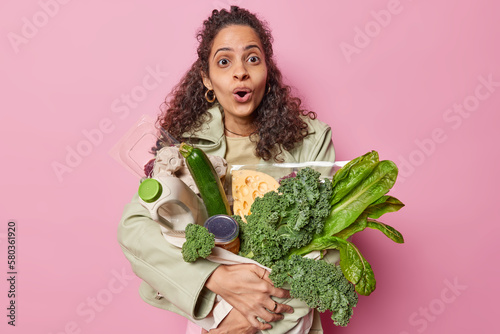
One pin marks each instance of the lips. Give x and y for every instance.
(242, 94)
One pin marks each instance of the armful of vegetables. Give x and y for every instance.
(307, 214)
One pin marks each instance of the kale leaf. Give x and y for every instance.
(286, 219)
(318, 283)
(199, 243)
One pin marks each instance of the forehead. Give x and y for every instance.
(235, 37)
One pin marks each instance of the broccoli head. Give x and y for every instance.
(199, 243)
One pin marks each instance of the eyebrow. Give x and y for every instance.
(248, 47)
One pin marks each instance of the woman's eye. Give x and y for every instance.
(223, 62)
(253, 59)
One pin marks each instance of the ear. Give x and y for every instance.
(206, 81)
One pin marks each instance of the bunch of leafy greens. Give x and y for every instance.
(318, 283)
(307, 214)
(287, 219)
(199, 243)
(359, 197)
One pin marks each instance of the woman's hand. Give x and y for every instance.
(233, 323)
(248, 289)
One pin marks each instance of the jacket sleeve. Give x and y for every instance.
(161, 265)
(321, 145)
(317, 146)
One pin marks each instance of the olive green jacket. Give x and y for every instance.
(160, 265)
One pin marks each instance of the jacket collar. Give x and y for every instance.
(213, 130)
(212, 134)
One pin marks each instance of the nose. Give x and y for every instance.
(240, 71)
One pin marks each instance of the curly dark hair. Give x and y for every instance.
(277, 118)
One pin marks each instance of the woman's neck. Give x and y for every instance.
(238, 127)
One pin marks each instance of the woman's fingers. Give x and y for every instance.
(258, 324)
(271, 317)
(260, 272)
(282, 308)
(235, 322)
(276, 308)
(280, 293)
(249, 290)
(262, 320)
(265, 276)
(264, 273)
(276, 292)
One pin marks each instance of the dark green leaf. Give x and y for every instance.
(358, 226)
(352, 174)
(375, 185)
(367, 283)
(383, 205)
(389, 231)
(356, 269)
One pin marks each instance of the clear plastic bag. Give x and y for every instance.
(279, 171)
(137, 147)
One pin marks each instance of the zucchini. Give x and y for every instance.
(206, 179)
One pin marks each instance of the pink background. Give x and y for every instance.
(406, 70)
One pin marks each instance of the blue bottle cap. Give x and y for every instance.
(223, 227)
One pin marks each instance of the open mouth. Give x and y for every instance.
(242, 94)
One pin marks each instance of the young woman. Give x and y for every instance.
(232, 103)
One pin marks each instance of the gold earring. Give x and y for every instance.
(268, 89)
(213, 96)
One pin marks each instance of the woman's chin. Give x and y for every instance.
(240, 110)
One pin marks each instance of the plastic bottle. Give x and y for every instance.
(172, 203)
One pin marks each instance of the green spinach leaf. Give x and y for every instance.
(389, 231)
(356, 269)
(352, 174)
(383, 205)
(371, 188)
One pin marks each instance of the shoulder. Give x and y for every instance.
(316, 127)
(316, 146)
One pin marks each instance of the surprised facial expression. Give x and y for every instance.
(237, 71)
